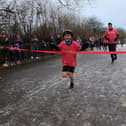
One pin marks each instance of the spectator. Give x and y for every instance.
(0, 39)
(101, 43)
(78, 40)
(42, 45)
(52, 42)
(122, 43)
(18, 43)
(84, 43)
(12, 55)
(58, 39)
(0, 46)
(34, 46)
(97, 43)
(92, 42)
(5, 51)
(105, 44)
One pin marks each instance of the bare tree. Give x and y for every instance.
(74, 4)
(44, 18)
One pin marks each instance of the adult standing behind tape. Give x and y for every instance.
(5, 52)
(19, 44)
(112, 36)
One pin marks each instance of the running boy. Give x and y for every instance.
(69, 60)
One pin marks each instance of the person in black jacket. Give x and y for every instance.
(5, 51)
(0, 46)
(52, 41)
(58, 39)
(35, 46)
(0, 50)
(84, 43)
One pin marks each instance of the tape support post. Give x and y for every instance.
(61, 52)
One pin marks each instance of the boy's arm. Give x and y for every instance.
(78, 47)
(54, 45)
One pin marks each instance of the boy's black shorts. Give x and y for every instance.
(68, 69)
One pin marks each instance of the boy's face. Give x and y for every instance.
(67, 37)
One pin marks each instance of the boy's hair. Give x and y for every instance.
(67, 32)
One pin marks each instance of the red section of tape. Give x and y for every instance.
(59, 52)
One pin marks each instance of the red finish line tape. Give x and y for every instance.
(61, 52)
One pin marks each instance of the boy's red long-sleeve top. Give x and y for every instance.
(67, 58)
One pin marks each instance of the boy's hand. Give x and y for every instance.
(55, 46)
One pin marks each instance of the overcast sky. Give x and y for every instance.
(108, 11)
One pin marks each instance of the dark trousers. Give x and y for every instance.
(5, 55)
(112, 48)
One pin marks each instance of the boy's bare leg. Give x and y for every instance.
(71, 76)
(65, 74)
